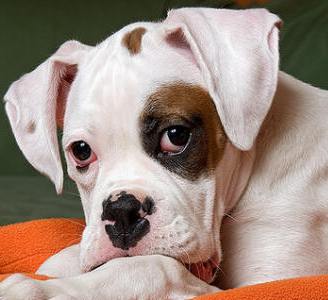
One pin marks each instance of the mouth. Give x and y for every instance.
(206, 271)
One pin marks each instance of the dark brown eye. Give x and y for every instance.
(82, 154)
(81, 150)
(175, 139)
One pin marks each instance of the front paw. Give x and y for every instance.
(20, 287)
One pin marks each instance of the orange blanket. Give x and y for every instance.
(25, 246)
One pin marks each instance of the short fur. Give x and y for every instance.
(260, 157)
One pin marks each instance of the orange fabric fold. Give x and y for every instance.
(305, 288)
(25, 246)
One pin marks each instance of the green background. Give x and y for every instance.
(32, 30)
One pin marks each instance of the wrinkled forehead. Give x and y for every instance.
(118, 76)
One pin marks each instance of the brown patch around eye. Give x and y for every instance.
(184, 104)
(132, 40)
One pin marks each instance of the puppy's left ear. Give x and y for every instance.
(35, 105)
(237, 54)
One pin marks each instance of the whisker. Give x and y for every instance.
(201, 263)
(188, 257)
(184, 255)
(231, 217)
(217, 267)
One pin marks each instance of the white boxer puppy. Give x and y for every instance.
(167, 128)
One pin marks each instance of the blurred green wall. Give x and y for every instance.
(31, 30)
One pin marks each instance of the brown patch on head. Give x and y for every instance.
(132, 40)
(186, 105)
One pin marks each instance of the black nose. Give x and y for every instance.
(129, 227)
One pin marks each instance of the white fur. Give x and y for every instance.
(274, 193)
(279, 227)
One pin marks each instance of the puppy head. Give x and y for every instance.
(149, 118)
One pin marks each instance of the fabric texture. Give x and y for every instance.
(25, 246)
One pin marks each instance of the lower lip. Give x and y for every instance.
(205, 271)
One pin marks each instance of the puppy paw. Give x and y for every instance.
(63, 297)
(20, 287)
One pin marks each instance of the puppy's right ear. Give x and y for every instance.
(35, 105)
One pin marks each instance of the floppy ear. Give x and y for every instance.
(237, 53)
(35, 105)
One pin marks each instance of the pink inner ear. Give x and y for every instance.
(66, 74)
(273, 38)
(177, 40)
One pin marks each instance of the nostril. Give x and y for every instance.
(127, 239)
(107, 213)
(124, 210)
(148, 205)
